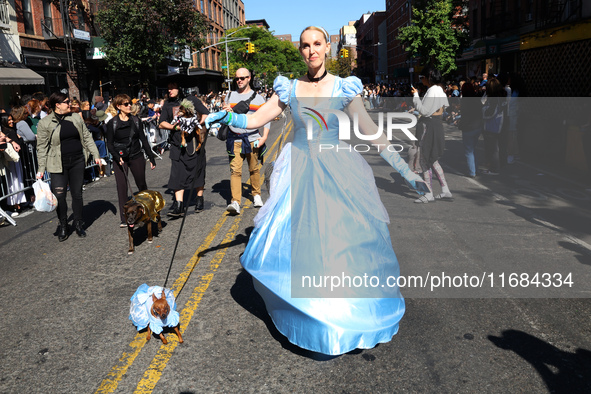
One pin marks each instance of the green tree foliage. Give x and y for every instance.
(272, 56)
(434, 35)
(339, 66)
(140, 34)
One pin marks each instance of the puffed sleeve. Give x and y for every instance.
(352, 86)
(281, 86)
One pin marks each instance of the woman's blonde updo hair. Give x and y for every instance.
(317, 28)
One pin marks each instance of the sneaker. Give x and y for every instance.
(233, 208)
(14, 214)
(257, 201)
(424, 200)
(176, 210)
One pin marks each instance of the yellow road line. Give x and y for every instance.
(159, 362)
(111, 381)
(288, 128)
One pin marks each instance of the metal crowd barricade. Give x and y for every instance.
(29, 164)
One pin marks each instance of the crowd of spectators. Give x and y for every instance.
(468, 99)
(19, 124)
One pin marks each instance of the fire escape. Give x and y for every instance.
(498, 18)
(555, 12)
(75, 16)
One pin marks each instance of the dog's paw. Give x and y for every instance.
(130, 252)
(150, 241)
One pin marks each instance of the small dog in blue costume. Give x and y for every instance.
(155, 313)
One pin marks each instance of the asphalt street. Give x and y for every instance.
(496, 328)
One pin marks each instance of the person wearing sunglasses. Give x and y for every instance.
(127, 143)
(245, 144)
(63, 146)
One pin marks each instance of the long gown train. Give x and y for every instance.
(324, 223)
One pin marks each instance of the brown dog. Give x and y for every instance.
(143, 209)
(160, 310)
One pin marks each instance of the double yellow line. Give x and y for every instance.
(154, 372)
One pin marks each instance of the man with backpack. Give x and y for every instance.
(245, 144)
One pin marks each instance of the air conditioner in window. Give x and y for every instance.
(528, 17)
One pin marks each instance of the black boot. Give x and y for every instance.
(199, 204)
(79, 225)
(177, 210)
(63, 233)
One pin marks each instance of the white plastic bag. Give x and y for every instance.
(45, 201)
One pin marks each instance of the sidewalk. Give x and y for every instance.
(552, 195)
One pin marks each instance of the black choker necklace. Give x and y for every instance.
(317, 79)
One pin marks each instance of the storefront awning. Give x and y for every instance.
(20, 76)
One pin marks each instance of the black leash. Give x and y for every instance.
(127, 180)
(185, 213)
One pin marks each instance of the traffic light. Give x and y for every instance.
(342, 52)
(345, 53)
(249, 47)
(252, 50)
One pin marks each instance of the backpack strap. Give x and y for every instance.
(134, 122)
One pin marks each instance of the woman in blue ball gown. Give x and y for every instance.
(321, 251)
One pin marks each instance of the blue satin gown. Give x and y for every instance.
(324, 219)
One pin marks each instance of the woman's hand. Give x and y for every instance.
(16, 146)
(419, 185)
(413, 90)
(98, 162)
(152, 165)
(39, 175)
(215, 117)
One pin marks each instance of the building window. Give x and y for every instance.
(81, 23)
(202, 10)
(28, 17)
(48, 28)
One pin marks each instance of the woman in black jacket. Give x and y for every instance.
(127, 143)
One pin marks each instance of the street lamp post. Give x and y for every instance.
(226, 41)
(228, 56)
